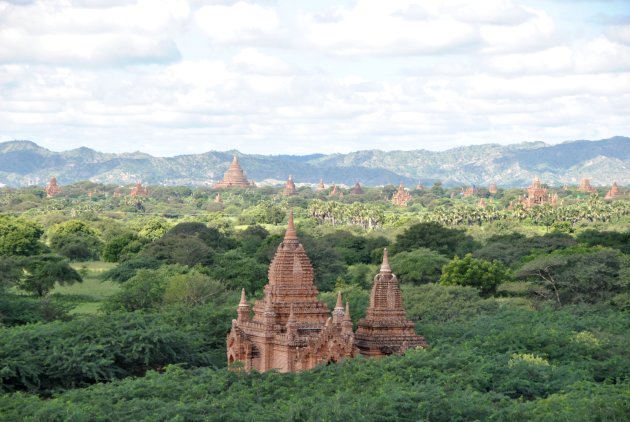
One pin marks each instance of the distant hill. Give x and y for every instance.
(23, 163)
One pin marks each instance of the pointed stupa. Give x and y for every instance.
(290, 234)
(243, 308)
(289, 188)
(52, 188)
(320, 186)
(357, 190)
(218, 199)
(234, 177)
(385, 329)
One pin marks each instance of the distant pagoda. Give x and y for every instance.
(234, 177)
(482, 203)
(585, 186)
(470, 191)
(385, 330)
(536, 194)
(320, 186)
(492, 189)
(334, 192)
(401, 197)
(357, 190)
(419, 186)
(139, 190)
(289, 188)
(218, 199)
(613, 193)
(52, 189)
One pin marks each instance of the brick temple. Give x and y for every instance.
(321, 186)
(357, 189)
(234, 177)
(585, 186)
(613, 193)
(289, 188)
(292, 330)
(470, 191)
(139, 190)
(401, 197)
(536, 194)
(52, 189)
(335, 191)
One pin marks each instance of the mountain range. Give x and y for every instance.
(24, 163)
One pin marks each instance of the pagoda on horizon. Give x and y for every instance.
(536, 194)
(289, 188)
(357, 190)
(139, 190)
(585, 186)
(234, 177)
(613, 193)
(52, 189)
(401, 197)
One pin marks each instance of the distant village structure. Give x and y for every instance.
(139, 190)
(289, 188)
(52, 189)
(234, 177)
(293, 331)
(613, 193)
(401, 197)
(585, 186)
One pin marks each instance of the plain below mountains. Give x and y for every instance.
(24, 163)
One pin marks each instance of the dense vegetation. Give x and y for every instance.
(111, 311)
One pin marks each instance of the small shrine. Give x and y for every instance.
(492, 189)
(470, 191)
(401, 197)
(52, 189)
(234, 177)
(482, 203)
(357, 189)
(613, 193)
(218, 199)
(419, 187)
(334, 192)
(289, 188)
(139, 190)
(585, 186)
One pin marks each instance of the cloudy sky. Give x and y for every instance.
(172, 77)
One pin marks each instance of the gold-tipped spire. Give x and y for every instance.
(385, 268)
(291, 233)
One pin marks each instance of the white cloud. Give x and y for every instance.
(55, 32)
(237, 24)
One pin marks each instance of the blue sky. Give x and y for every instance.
(186, 76)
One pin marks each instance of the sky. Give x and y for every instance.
(171, 77)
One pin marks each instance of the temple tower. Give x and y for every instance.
(52, 189)
(613, 193)
(401, 197)
(357, 190)
(139, 190)
(234, 177)
(289, 188)
(585, 186)
(386, 330)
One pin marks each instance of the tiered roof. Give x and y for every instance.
(585, 186)
(613, 192)
(385, 328)
(357, 190)
(289, 188)
(401, 197)
(52, 189)
(234, 177)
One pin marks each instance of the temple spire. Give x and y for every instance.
(291, 233)
(339, 302)
(346, 315)
(243, 298)
(385, 268)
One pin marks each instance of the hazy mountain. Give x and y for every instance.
(24, 162)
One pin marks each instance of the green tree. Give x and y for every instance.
(75, 240)
(436, 237)
(419, 266)
(41, 272)
(19, 236)
(478, 273)
(194, 289)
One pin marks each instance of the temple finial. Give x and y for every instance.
(385, 268)
(291, 233)
(339, 302)
(346, 315)
(243, 298)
